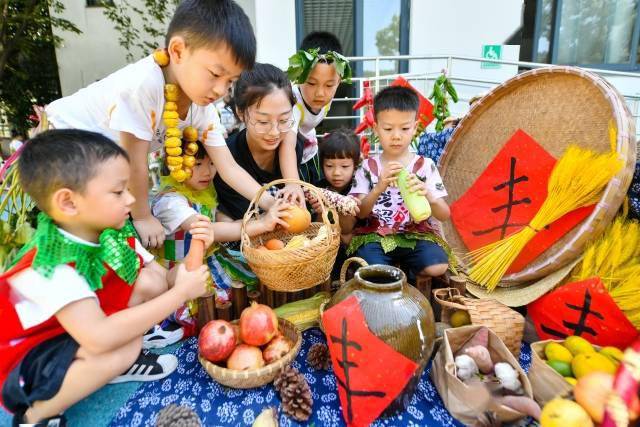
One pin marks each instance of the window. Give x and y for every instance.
(334, 16)
(602, 34)
(99, 3)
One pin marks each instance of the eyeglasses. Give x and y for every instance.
(262, 127)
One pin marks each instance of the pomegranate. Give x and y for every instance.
(258, 324)
(276, 349)
(236, 330)
(217, 340)
(245, 357)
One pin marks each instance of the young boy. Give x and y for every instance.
(314, 92)
(208, 42)
(388, 234)
(83, 290)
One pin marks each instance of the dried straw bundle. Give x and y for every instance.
(577, 180)
(615, 258)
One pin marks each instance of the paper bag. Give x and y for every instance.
(466, 403)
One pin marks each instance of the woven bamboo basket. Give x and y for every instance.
(556, 106)
(256, 377)
(503, 321)
(292, 270)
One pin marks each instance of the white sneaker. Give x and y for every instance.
(162, 335)
(149, 367)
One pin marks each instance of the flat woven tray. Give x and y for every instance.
(556, 106)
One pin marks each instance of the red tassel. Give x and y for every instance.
(367, 122)
(367, 97)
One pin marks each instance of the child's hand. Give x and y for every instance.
(293, 193)
(274, 215)
(414, 185)
(192, 284)
(315, 204)
(202, 229)
(150, 231)
(389, 175)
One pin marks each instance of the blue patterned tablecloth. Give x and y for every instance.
(218, 405)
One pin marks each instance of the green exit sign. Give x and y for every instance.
(491, 51)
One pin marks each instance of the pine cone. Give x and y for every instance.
(318, 356)
(295, 394)
(178, 416)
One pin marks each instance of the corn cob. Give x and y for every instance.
(345, 205)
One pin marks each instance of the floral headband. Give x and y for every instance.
(303, 61)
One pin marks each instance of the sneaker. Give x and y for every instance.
(55, 421)
(162, 335)
(149, 367)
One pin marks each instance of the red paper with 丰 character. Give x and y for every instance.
(370, 373)
(584, 309)
(506, 197)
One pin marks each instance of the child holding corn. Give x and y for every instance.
(81, 293)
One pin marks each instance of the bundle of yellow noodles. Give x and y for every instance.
(615, 258)
(576, 180)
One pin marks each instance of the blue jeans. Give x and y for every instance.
(415, 260)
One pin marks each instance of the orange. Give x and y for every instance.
(274, 244)
(299, 220)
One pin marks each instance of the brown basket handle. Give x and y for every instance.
(445, 296)
(345, 267)
(254, 210)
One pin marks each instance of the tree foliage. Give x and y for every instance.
(140, 23)
(28, 28)
(28, 69)
(388, 38)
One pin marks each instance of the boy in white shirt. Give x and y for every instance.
(317, 69)
(208, 44)
(82, 292)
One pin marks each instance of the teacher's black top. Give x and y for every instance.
(232, 203)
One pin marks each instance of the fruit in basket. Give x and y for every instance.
(258, 324)
(274, 244)
(571, 380)
(236, 330)
(591, 393)
(299, 219)
(586, 363)
(563, 368)
(556, 351)
(564, 413)
(459, 318)
(245, 357)
(297, 242)
(613, 353)
(578, 345)
(276, 349)
(217, 340)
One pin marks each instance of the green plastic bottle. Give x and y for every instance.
(418, 205)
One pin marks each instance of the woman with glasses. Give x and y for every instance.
(264, 102)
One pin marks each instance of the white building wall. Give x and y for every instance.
(95, 53)
(461, 28)
(275, 30)
(92, 55)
